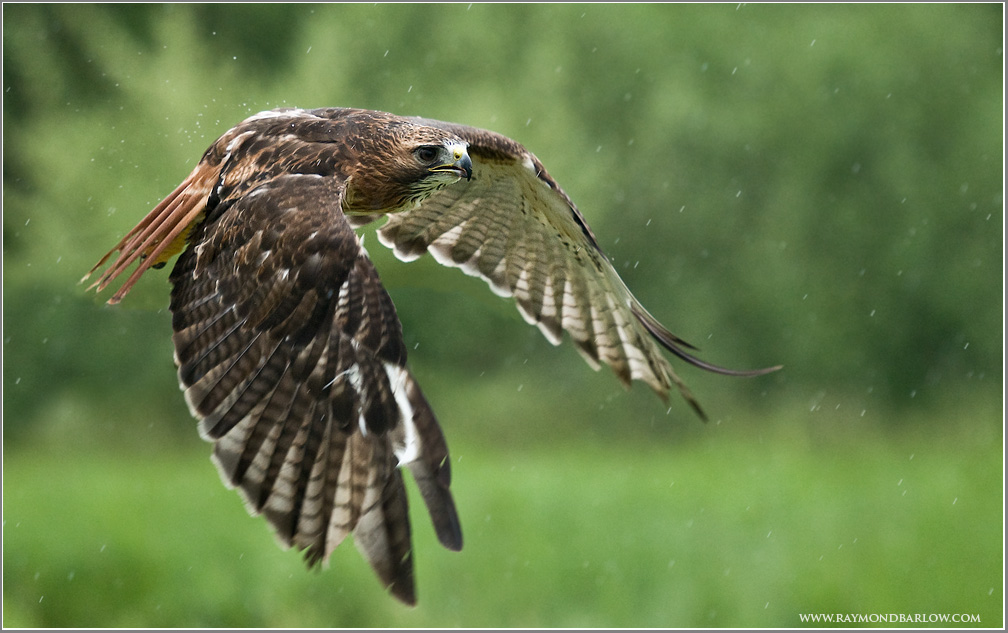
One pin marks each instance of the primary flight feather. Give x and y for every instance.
(288, 348)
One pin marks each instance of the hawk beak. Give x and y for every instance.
(462, 165)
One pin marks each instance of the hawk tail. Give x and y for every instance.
(161, 234)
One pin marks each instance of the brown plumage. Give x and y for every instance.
(289, 350)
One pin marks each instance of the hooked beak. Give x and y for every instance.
(462, 165)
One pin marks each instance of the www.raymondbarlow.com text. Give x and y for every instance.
(889, 618)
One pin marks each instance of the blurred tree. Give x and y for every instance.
(816, 186)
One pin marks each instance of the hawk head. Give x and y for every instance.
(401, 165)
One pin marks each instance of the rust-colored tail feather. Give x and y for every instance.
(164, 226)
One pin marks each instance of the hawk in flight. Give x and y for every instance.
(289, 349)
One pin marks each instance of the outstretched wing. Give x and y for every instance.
(291, 355)
(513, 226)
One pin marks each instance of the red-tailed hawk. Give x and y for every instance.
(289, 350)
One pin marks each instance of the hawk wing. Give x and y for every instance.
(513, 226)
(291, 356)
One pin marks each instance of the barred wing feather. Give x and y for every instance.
(292, 359)
(514, 227)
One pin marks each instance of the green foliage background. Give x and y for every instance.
(816, 186)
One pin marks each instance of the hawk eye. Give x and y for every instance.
(427, 154)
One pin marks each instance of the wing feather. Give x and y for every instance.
(513, 226)
(291, 356)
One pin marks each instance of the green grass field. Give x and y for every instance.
(726, 528)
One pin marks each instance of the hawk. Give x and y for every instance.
(289, 349)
